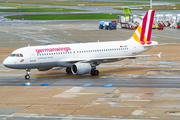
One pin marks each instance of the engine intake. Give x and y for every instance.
(81, 68)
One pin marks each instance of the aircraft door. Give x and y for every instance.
(32, 56)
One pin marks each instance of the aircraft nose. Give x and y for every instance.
(6, 62)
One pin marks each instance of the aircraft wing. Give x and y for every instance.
(106, 59)
(122, 57)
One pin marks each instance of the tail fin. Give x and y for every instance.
(143, 32)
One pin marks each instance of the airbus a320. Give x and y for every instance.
(82, 58)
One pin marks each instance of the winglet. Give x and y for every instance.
(159, 55)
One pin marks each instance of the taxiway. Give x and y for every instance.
(144, 88)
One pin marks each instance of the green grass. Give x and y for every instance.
(39, 10)
(75, 3)
(64, 16)
(11, 5)
(159, 7)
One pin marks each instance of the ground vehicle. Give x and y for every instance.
(112, 25)
(178, 25)
(155, 26)
(101, 25)
(160, 27)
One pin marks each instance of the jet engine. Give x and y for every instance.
(81, 68)
(44, 69)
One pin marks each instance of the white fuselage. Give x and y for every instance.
(65, 55)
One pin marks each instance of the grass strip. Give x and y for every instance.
(63, 16)
(11, 5)
(40, 10)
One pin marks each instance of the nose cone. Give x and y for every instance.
(6, 62)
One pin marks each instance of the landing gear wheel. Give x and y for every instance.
(27, 77)
(94, 72)
(68, 70)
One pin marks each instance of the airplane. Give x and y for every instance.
(82, 58)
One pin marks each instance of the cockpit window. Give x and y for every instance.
(12, 55)
(16, 55)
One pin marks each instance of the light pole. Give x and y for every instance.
(150, 4)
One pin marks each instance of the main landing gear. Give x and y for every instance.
(94, 72)
(68, 70)
(27, 76)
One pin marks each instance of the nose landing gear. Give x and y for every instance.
(27, 76)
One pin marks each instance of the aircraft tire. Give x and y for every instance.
(94, 72)
(68, 70)
(27, 77)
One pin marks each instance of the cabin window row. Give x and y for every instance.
(85, 51)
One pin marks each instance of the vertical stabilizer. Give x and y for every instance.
(143, 31)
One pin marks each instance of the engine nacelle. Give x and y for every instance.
(81, 68)
(44, 69)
